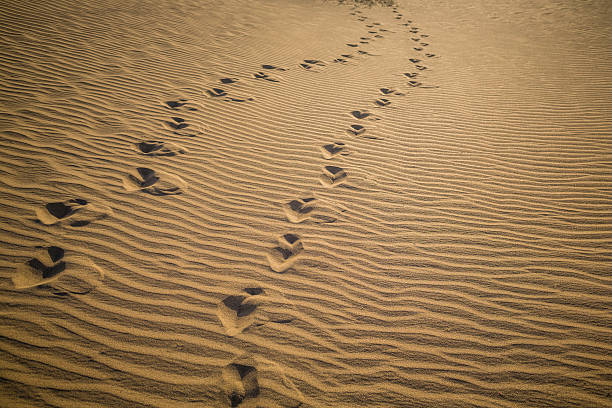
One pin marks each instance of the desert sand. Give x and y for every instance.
(283, 203)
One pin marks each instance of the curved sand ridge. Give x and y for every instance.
(371, 207)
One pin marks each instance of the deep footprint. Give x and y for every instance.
(44, 268)
(153, 182)
(240, 383)
(333, 176)
(283, 257)
(159, 148)
(300, 209)
(75, 212)
(332, 150)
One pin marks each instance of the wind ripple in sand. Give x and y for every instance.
(469, 267)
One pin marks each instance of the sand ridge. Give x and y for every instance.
(200, 211)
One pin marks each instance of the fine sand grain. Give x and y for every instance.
(304, 204)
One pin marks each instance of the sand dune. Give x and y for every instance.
(305, 204)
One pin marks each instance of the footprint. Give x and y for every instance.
(414, 83)
(332, 150)
(182, 128)
(356, 130)
(415, 39)
(424, 35)
(300, 209)
(382, 102)
(372, 32)
(239, 99)
(264, 76)
(353, 45)
(240, 383)
(379, 36)
(364, 53)
(429, 55)
(414, 60)
(284, 256)
(75, 212)
(363, 42)
(47, 271)
(177, 123)
(315, 62)
(215, 92)
(411, 74)
(153, 182)
(253, 307)
(333, 176)
(45, 267)
(340, 60)
(273, 67)
(159, 148)
(360, 114)
(420, 67)
(389, 91)
(418, 48)
(347, 55)
(228, 80)
(178, 105)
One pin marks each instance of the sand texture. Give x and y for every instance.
(283, 203)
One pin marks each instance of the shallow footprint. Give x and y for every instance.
(353, 45)
(284, 256)
(159, 148)
(153, 182)
(333, 176)
(75, 212)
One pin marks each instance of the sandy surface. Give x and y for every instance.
(294, 203)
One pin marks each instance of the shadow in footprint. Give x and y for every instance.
(228, 80)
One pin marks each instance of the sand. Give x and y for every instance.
(303, 204)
